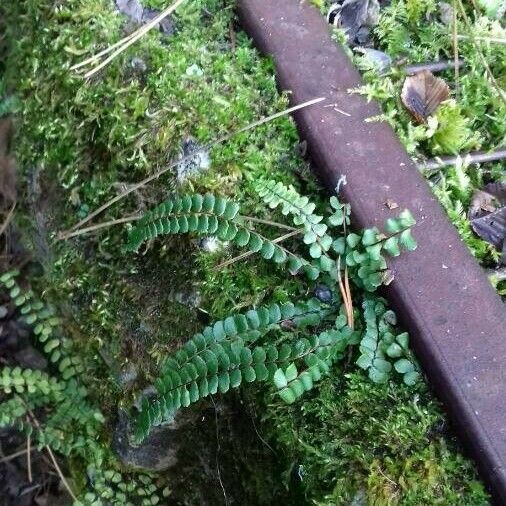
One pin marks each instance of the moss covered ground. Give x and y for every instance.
(79, 143)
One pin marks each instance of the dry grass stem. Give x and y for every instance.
(175, 163)
(93, 228)
(249, 253)
(29, 458)
(53, 460)
(7, 220)
(125, 43)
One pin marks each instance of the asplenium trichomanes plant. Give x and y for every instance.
(289, 345)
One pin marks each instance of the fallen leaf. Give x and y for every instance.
(422, 93)
(487, 200)
(353, 15)
(391, 204)
(487, 215)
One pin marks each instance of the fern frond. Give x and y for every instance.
(222, 356)
(209, 215)
(45, 326)
(379, 344)
(276, 194)
(318, 354)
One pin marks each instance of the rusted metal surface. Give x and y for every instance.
(457, 321)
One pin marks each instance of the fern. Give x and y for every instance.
(238, 349)
(209, 215)
(379, 345)
(71, 425)
(222, 356)
(45, 326)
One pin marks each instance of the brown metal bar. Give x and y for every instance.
(457, 321)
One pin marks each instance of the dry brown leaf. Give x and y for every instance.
(487, 214)
(422, 93)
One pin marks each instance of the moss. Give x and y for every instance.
(388, 443)
(91, 138)
(474, 117)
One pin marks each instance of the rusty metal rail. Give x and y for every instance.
(457, 321)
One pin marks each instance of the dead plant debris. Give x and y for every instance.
(422, 93)
(487, 215)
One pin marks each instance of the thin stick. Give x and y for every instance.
(430, 166)
(249, 253)
(351, 322)
(268, 222)
(218, 448)
(102, 53)
(344, 293)
(13, 456)
(495, 40)
(8, 219)
(28, 458)
(437, 66)
(220, 140)
(140, 33)
(53, 459)
(99, 226)
(455, 48)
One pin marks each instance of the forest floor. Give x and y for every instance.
(79, 143)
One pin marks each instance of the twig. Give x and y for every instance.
(495, 40)
(249, 253)
(220, 140)
(430, 166)
(135, 37)
(5, 224)
(13, 456)
(53, 459)
(268, 222)
(218, 448)
(455, 48)
(334, 106)
(99, 226)
(28, 457)
(102, 53)
(351, 322)
(344, 288)
(437, 66)
(233, 38)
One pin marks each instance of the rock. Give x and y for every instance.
(191, 165)
(356, 17)
(138, 66)
(136, 13)
(30, 358)
(360, 499)
(380, 60)
(127, 375)
(189, 297)
(147, 393)
(323, 293)
(159, 450)
(166, 25)
(132, 9)
(194, 71)
(445, 13)
(363, 35)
